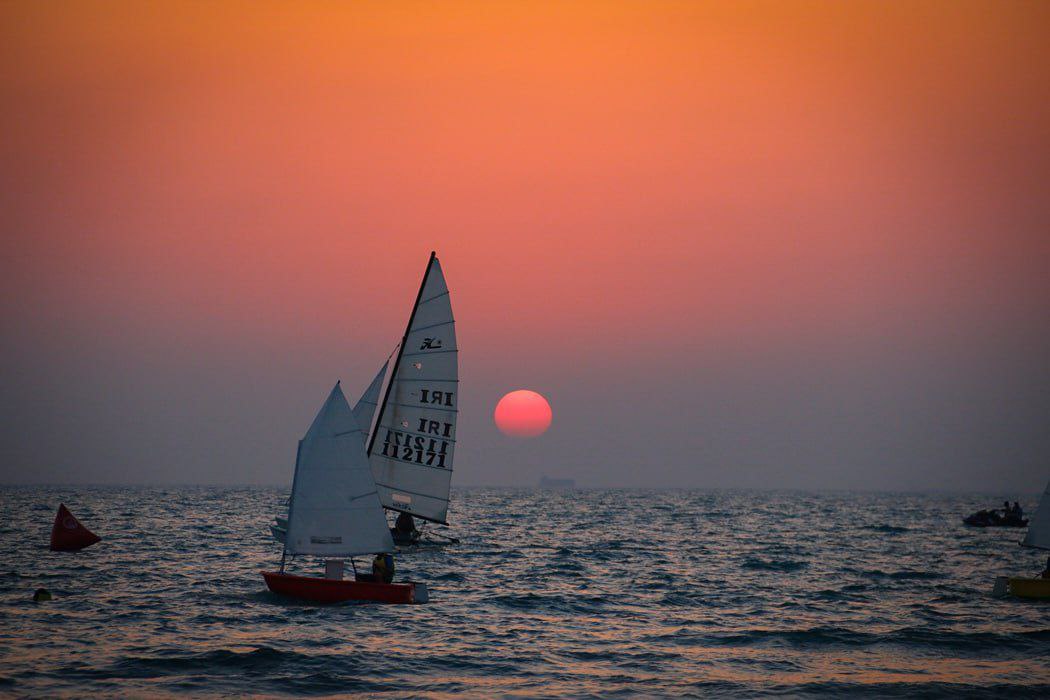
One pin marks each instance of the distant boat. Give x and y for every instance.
(334, 513)
(68, 535)
(408, 417)
(1038, 537)
(548, 483)
(991, 518)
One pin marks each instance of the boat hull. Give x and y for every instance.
(1038, 588)
(279, 533)
(324, 590)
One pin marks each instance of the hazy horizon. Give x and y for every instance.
(787, 245)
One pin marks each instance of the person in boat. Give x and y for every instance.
(1018, 513)
(383, 568)
(405, 526)
(1046, 571)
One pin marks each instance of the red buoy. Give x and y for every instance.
(68, 535)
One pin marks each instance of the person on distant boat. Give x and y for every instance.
(383, 568)
(405, 526)
(1018, 513)
(1046, 571)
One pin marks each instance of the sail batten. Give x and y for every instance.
(412, 441)
(1038, 535)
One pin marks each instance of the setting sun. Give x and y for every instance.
(523, 413)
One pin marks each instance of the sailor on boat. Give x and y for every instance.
(404, 530)
(383, 568)
(1046, 572)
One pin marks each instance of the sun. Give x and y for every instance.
(523, 413)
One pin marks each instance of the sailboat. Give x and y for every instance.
(334, 513)
(1038, 537)
(411, 412)
(412, 441)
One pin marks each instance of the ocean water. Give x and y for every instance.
(581, 593)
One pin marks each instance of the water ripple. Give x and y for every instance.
(593, 593)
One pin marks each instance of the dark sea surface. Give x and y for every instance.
(577, 593)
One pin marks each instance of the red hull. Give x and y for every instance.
(68, 535)
(326, 590)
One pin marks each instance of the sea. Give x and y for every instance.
(581, 593)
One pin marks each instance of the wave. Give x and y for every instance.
(782, 565)
(983, 642)
(892, 529)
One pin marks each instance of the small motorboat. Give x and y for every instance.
(68, 535)
(992, 518)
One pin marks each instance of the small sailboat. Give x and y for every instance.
(1038, 537)
(68, 535)
(334, 513)
(409, 414)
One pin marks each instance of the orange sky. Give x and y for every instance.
(603, 181)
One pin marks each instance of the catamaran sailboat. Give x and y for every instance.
(411, 413)
(1038, 537)
(334, 513)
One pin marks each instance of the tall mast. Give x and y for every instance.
(400, 351)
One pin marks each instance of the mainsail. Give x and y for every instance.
(1039, 526)
(411, 446)
(334, 510)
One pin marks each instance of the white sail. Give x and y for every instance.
(412, 445)
(334, 510)
(1038, 534)
(365, 408)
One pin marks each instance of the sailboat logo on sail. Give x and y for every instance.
(430, 344)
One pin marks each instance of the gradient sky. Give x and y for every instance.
(735, 244)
